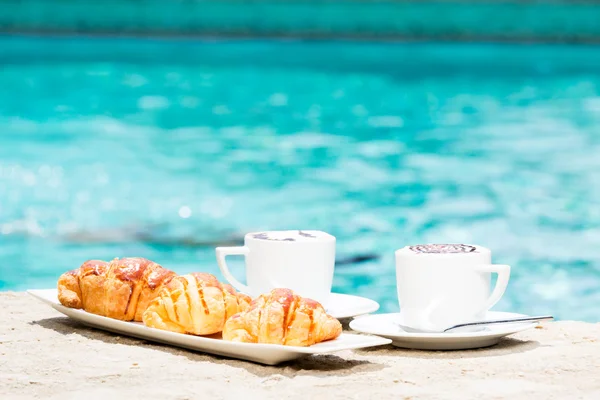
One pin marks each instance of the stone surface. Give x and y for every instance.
(45, 355)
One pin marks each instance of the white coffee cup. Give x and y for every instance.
(443, 285)
(302, 261)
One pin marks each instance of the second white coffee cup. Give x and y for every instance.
(302, 261)
(440, 285)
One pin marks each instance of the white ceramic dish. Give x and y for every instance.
(347, 306)
(388, 326)
(269, 354)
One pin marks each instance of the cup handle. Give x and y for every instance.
(503, 272)
(223, 252)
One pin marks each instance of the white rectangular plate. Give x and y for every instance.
(270, 354)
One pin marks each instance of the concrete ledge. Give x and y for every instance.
(556, 20)
(46, 355)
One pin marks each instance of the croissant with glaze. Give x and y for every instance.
(282, 317)
(196, 304)
(121, 289)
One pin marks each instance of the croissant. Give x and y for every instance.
(282, 317)
(196, 303)
(121, 289)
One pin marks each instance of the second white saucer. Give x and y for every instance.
(348, 306)
(388, 326)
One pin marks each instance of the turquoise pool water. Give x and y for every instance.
(162, 148)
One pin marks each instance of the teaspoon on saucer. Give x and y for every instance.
(481, 323)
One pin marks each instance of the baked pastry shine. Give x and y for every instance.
(195, 303)
(282, 317)
(121, 289)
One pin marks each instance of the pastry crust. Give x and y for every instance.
(121, 289)
(282, 317)
(196, 304)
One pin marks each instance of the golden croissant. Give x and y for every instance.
(282, 317)
(121, 289)
(196, 303)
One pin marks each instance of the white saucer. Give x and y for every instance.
(387, 325)
(348, 306)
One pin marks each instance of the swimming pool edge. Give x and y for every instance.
(556, 21)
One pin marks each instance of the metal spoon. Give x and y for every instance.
(502, 321)
(482, 323)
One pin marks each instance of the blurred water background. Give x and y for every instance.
(165, 148)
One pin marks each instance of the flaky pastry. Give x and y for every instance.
(282, 317)
(196, 304)
(121, 289)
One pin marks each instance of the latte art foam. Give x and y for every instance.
(292, 236)
(442, 248)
